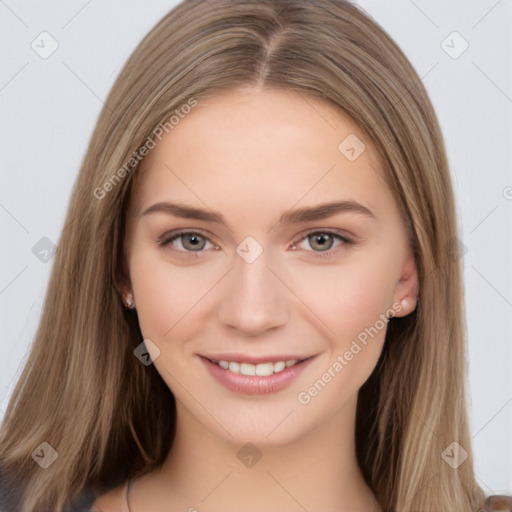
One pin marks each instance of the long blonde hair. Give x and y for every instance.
(84, 392)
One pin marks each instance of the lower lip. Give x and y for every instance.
(254, 384)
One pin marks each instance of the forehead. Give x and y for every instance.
(264, 146)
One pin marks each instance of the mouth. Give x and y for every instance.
(256, 376)
(261, 369)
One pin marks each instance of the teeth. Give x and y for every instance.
(262, 369)
(246, 369)
(279, 366)
(234, 367)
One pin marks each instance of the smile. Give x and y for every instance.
(258, 377)
(262, 369)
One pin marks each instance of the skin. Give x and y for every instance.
(251, 155)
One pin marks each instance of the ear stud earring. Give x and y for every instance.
(406, 301)
(129, 302)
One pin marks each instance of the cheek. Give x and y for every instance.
(167, 296)
(351, 303)
(347, 297)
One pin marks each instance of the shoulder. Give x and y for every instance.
(498, 502)
(113, 500)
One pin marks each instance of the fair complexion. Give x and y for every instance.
(251, 156)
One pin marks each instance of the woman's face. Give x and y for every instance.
(294, 249)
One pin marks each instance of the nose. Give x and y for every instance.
(255, 298)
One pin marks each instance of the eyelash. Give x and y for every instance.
(164, 241)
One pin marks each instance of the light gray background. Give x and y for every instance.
(49, 108)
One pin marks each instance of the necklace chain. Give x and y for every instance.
(128, 488)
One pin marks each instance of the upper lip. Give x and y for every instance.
(243, 358)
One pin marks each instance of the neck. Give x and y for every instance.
(318, 471)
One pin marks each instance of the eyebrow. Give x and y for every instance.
(313, 213)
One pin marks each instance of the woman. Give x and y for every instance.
(256, 302)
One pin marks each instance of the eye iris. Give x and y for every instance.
(196, 242)
(321, 240)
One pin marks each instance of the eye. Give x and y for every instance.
(186, 242)
(191, 244)
(322, 242)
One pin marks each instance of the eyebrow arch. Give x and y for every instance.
(308, 214)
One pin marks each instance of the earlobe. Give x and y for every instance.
(129, 301)
(126, 294)
(408, 304)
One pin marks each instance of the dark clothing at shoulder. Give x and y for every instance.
(84, 501)
(82, 504)
(10, 498)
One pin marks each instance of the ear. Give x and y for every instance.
(125, 292)
(122, 282)
(407, 287)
